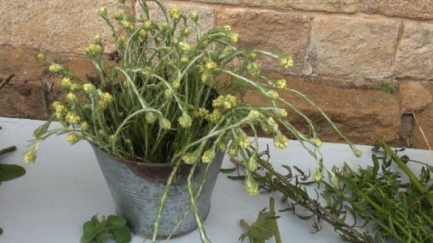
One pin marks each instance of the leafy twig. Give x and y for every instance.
(7, 150)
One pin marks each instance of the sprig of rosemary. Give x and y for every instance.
(370, 204)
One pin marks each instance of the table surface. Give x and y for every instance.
(65, 188)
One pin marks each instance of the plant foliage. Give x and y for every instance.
(114, 227)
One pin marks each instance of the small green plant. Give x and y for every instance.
(114, 227)
(264, 228)
(387, 87)
(174, 94)
(380, 204)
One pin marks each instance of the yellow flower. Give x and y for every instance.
(194, 16)
(168, 94)
(88, 88)
(233, 151)
(41, 57)
(252, 163)
(190, 158)
(102, 11)
(142, 33)
(165, 25)
(281, 84)
(281, 141)
(281, 112)
(72, 138)
(104, 99)
(272, 94)
(222, 146)
(72, 118)
(184, 46)
(175, 13)
(227, 28)
(75, 87)
(318, 175)
(234, 37)
(317, 142)
(358, 153)
(118, 15)
(112, 138)
(71, 97)
(148, 24)
(165, 124)
(30, 156)
(97, 39)
(94, 50)
(253, 69)
(185, 120)
(150, 117)
(59, 107)
(215, 116)
(251, 185)
(176, 83)
(202, 112)
(210, 65)
(286, 62)
(84, 126)
(186, 31)
(244, 141)
(126, 24)
(254, 114)
(55, 68)
(208, 155)
(272, 123)
(184, 59)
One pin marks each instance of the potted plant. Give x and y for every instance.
(164, 111)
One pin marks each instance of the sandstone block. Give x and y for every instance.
(59, 26)
(270, 30)
(352, 47)
(362, 115)
(414, 52)
(414, 97)
(345, 6)
(419, 9)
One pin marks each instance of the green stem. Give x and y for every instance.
(8, 150)
(412, 177)
(301, 197)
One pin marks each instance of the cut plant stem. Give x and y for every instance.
(296, 194)
(412, 177)
(8, 150)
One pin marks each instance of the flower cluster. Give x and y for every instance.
(173, 93)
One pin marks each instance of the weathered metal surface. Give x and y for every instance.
(137, 188)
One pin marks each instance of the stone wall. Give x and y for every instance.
(335, 44)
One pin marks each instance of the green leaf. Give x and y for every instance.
(264, 228)
(9, 172)
(236, 178)
(375, 165)
(91, 230)
(115, 222)
(228, 170)
(122, 235)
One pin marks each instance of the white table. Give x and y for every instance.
(65, 188)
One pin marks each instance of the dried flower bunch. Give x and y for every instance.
(171, 97)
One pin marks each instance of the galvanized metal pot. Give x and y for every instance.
(137, 188)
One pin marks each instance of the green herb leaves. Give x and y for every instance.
(114, 227)
(264, 228)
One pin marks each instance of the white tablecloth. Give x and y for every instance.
(65, 188)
